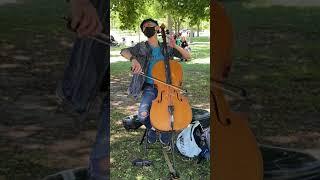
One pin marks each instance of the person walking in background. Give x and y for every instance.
(185, 46)
(178, 39)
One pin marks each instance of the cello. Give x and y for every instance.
(170, 111)
(235, 152)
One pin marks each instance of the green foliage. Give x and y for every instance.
(176, 8)
(131, 12)
(198, 10)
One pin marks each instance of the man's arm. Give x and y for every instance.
(135, 65)
(126, 53)
(185, 54)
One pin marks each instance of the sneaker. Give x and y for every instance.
(165, 138)
(151, 136)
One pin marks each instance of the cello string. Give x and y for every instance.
(99, 40)
(175, 87)
(229, 91)
(244, 92)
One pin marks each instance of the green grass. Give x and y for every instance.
(20, 164)
(199, 51)
(32, 17)
(200, 48)
(125, 145)
(200, 39)
(276, 59)
(126, 148)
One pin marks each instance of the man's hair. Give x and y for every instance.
(148, 20)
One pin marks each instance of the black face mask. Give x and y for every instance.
(149, 31)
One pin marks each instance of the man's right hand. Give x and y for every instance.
(85, 19)
(136, 67)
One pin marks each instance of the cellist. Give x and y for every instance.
(144, 56)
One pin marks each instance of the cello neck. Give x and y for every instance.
(165, 54)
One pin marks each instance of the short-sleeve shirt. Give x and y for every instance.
(156, 57)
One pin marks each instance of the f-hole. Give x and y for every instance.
(227, 120)
(160, 100)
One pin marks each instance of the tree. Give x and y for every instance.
(131, 12)
(177, 10)
(198, 12)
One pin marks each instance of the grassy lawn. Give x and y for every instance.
(200, 49)
(125, 145)
(200, 39)
(276, 59)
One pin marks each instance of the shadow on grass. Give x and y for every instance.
(125, 148)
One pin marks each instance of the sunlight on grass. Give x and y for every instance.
(200, 51)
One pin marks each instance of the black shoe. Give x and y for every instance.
(165, 138)
(151, 136)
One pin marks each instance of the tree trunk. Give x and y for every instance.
(191, 34)
(179, 24)
(175, 27)
(198, 29)
(170, 23)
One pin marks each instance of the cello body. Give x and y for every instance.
(236, 155)
(159, 114)
(170, 111)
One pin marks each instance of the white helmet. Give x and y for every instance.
(188, 140)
